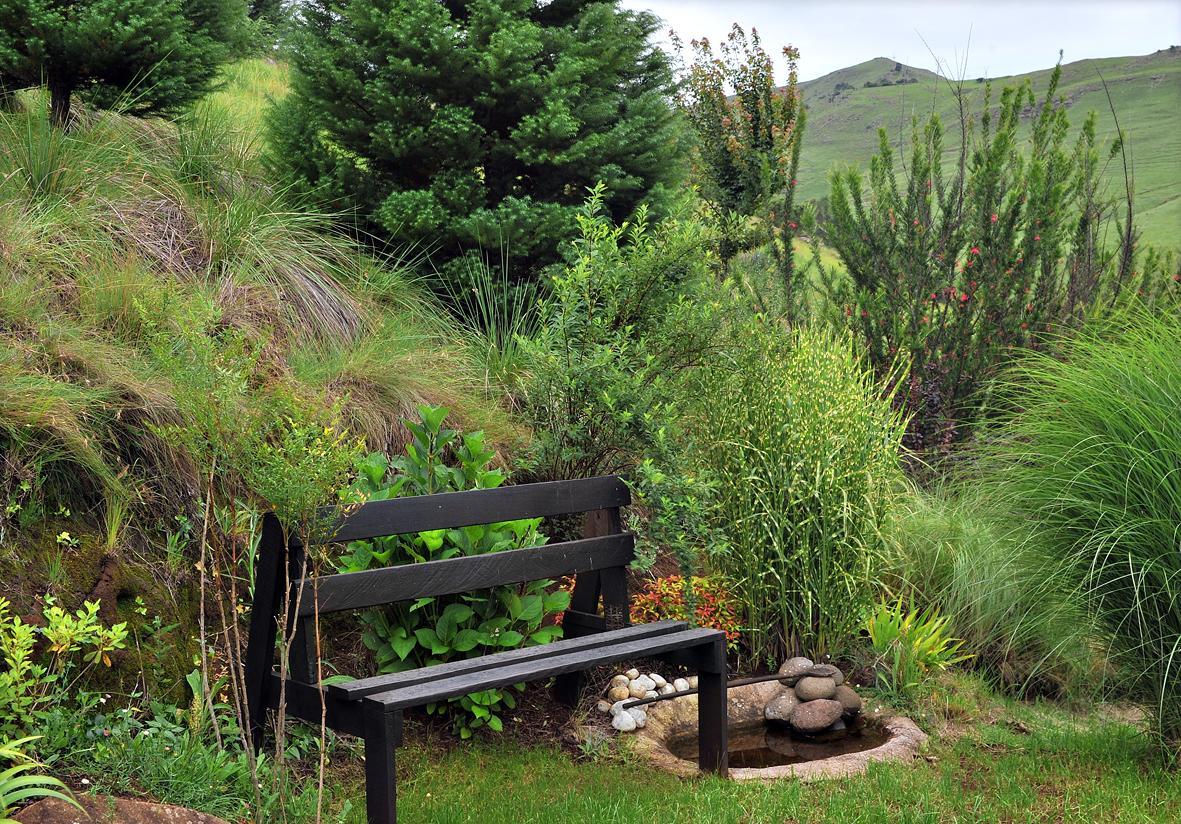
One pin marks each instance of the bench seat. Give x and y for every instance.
(587, 644)
(438, 689)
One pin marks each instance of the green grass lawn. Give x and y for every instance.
(1048, 767)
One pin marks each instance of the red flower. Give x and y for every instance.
(1037, 237)
(975, 250)
(964, 298)
(993, 218)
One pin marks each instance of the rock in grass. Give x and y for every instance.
(640, 717)
(658, 680)
(814, 716)
(619, 681)
(617, 708)
(811, 688)
(680, 684)
(632, 674)
(603, 706)
(618, 694)
(793, 669)
(637, 689)
(849, 699)
(625, 721)
(781, 707)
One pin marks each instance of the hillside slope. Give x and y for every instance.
(844, 115)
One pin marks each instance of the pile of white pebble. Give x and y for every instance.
(632, 685)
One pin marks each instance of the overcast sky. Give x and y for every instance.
(1007, 36)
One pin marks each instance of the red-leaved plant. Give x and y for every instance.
(668, 598)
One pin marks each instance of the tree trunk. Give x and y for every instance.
(60, 90)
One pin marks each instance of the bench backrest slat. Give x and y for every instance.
(480, 506)
(373, 587)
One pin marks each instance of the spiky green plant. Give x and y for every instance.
(18, 783)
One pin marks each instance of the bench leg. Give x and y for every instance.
(711, 710)
(383, 735)
(567, 688)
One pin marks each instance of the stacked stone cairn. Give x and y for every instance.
(816, 699)
(632, 685)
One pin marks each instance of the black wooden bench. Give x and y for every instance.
(372, 707)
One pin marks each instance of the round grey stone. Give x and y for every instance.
(811, 688)
(814, 716)
(793, 669)
(603, 707)
(849, 699)
(827, 671)
(781, 707)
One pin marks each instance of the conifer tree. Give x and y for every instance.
(152, 55)
(453, 126)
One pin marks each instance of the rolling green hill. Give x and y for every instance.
(844, 114)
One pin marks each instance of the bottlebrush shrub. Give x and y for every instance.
(956, 274)
(704, 601)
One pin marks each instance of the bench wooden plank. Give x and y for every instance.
(479, 506)
(438, 690)
(357, 590)
(355, 690)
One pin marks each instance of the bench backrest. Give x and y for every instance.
(599, 560)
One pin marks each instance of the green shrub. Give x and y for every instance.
(621, 324)
(32, 680)
(1017, 611)
(803, 452)
(434, 630)
(911, 645)
(1090, 461)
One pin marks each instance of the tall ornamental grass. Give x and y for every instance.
(1017, 610)
(1093, 461)
(803, 450)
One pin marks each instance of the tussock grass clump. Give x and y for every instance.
(1017, 611)
(125, 243)
(804, 453)
(1091, 463)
